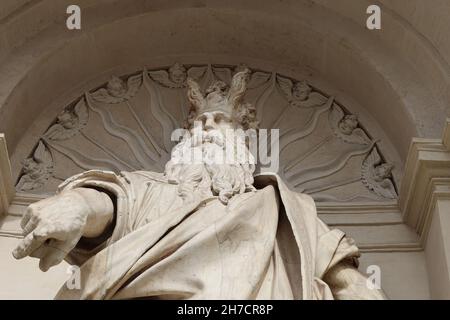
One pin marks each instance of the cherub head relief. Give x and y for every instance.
(68, 119)
(301, 91)
(116, 87)
(348, 124)
(32, 168)
(383, 171)
(177, 73)
(69, 122)
(36, 169)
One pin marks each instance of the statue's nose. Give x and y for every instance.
(210, 123)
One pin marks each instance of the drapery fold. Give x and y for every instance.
(266, 244)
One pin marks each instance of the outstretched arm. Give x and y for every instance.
(53, 227)
(347, 283)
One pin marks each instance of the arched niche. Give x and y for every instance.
(127, 125)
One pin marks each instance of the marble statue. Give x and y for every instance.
(197, 231)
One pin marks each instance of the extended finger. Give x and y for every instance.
(31, 225)
(40, 252)
(54, 255)
(26, 217)
(30, 243)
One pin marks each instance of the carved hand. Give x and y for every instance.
(347, 283)
(52, 227)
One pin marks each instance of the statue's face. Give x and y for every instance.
(301, 91)
(67, 120)
(383, 171)
(28, 164)
(116, 87)
(216, 120)
(30, 167)
(177, 74)
(348, 124)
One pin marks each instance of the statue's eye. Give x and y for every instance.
(201, 119)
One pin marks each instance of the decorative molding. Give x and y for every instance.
(426, 181)
(391, 247)
(360, 215)
(439, 189)
(357, 208)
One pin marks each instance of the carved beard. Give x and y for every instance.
(194, 166)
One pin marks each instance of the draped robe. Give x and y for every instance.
(265, 244)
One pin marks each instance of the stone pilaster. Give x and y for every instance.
(425, 204)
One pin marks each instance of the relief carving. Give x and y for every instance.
(117, 90)
(255, 78)
(175, 77)
(69, 122)
(300, 94)
(114, 128)
(376, 176)
(36, 169)
(345, 127)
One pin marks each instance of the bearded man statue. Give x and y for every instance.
(200, 230)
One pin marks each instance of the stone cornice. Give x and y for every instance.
(426, 180)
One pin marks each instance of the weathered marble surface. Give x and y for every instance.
(199, 231)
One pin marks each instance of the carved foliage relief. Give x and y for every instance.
(127, 124)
